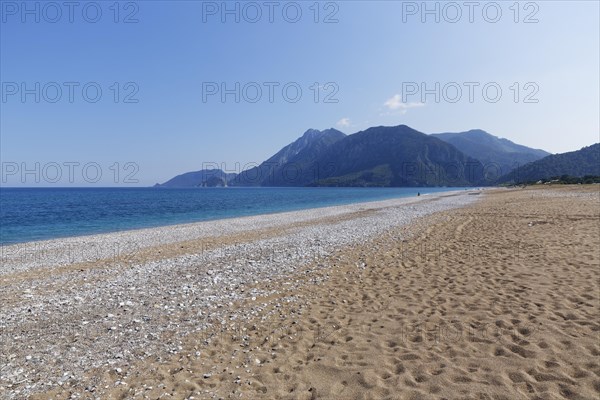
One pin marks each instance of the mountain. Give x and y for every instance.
(292, 164)
(499, 156)
(585, 161)
(395, 156)
(380, 156)
(205, 177)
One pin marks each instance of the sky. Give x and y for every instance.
(132, 93)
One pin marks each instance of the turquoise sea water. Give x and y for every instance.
(28, 214)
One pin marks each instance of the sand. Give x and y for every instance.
(499, 299)
(74, 309)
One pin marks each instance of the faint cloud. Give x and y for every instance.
(344, 123)
(395, 104)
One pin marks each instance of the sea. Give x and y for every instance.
(31, 214)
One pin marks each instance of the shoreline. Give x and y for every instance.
(418, 314)
(106, 313)
(180, 224)
(459, 295)
(63, 250)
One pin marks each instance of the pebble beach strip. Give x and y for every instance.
(55, 327)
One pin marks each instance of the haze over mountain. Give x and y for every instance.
(380, 156)
(398, 156)
(292, 164)
(585, 161)
(395, 156)
(205, 177)
(500, 156)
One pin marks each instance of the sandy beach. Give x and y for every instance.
(490, 294)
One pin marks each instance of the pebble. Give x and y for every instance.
(79, 316)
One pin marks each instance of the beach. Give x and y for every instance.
(489, 294)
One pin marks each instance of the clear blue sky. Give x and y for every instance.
(175, 52)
